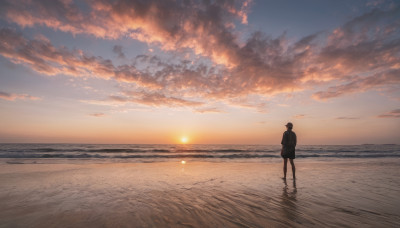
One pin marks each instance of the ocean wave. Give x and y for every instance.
(160, 152)
(125, 150)
(115, 150)
(45, 150)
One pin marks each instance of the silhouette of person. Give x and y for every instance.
(289, 141)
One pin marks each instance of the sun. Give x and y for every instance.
(184, 140)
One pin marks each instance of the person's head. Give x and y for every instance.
(289, 126)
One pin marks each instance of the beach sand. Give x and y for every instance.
(200, 194)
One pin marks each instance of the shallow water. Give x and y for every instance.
(200, 194)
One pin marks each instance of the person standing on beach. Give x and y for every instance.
(289, 141)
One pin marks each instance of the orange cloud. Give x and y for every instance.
(356, 55)
(198, 25)
(209, 110)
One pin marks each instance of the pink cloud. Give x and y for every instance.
(392, 114)
(361, 55)
(44, 58)
(357, 55)
(299, 116)
(155, 99)
(360, 84)
(199, 25)
(97, 114)
(13, 96)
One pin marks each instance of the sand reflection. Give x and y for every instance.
(289, 202)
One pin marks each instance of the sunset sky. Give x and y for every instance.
(212, 71)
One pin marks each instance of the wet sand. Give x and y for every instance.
(200, 194)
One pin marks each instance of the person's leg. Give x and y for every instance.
(284, 167)
(293, 168)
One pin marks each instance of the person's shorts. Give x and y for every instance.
(289, 154)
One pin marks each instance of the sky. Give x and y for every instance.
(212, 72)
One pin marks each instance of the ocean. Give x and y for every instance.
(192, 152)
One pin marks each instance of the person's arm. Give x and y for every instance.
(282, 142)
(295, 140)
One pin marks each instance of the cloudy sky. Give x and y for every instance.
(154, 71)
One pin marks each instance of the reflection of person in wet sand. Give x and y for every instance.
(289, 207)
(289, 141)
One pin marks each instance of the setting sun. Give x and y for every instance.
(184, 140)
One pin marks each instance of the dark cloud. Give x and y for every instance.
(347, 118)
(117, 49)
